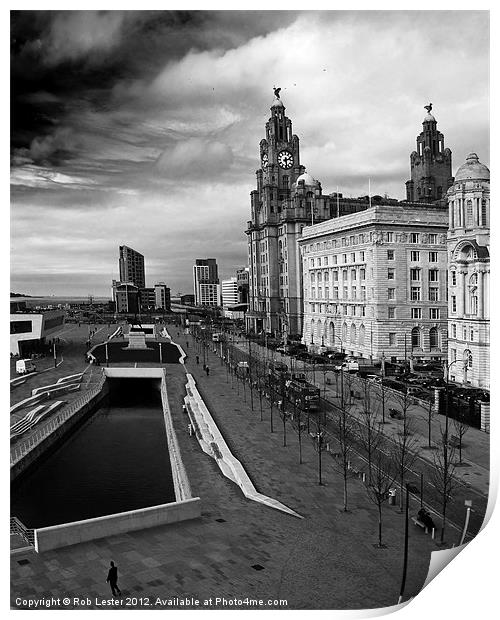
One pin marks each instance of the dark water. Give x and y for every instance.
(117, 461)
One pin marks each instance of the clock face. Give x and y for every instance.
(285, 159)
(264, 160)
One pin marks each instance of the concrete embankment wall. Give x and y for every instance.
(110, 525)
(57, 434)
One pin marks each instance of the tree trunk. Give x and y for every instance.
(380, 524)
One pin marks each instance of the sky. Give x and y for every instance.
(142, 128)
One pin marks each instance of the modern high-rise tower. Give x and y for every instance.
(206, 282)
(430, 164)
(131, 265)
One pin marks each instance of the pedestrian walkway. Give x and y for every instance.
(239, 549)
(474, 470)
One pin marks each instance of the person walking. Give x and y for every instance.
(207, 370)
(113, 580)
(197, 359)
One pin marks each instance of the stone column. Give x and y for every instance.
(480, 295)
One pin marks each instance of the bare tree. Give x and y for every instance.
(346, 437)
(383, 476)
(404, 444)
(443, 475)
(460, 428)
(369, 435)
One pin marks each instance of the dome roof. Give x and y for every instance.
(277, 103)
(429, 117)
(307, 178)
(472, 169)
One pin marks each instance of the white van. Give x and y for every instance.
(23, 367)
(216, 337)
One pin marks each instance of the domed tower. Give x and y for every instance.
(468, 244)
(430, 164)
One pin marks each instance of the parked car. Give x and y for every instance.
(23, 367)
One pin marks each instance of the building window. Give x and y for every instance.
(344, 258)
(334, 259)
(415, 338)
(433, 293)
(415, 275)
(353, 257)
(353, 274)
(453, 330)
(390, 254)
(434, 338)
(362, 256)
(344, 293)
(453, 303)
(433, 257)
(391, 312)
(392, 339)
(363, 292)
(415, 293)
(472, 335)
(344, 274)
(335, 276)
(390, 237)
(391, 293)
(325, 261)
(414, 237)
(335, 292)
(362, 273)
(415, 256)
(453, 354)
(434, 313)
(453, 278)
(391, 274)
(416, 313)
(433, 238)
(484, 213)
(468, 358)
(353, 292)
(433, 275)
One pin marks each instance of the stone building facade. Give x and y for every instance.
(469, 274)
(286, 200)
(375, 283)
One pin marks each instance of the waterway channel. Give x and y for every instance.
(117, 460)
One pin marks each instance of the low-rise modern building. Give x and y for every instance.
(469, 275)
(162, 296)
(29, 331)
(126, 297)
(375, 282)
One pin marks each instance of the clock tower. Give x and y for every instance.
(286, 199)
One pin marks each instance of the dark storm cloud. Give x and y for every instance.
(143, 127)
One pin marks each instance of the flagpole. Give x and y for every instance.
(369, 194)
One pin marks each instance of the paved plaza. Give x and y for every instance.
(240, 549)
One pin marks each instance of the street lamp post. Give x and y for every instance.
(468, 505)
(405, 559)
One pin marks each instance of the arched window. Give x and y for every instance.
(312, 331)
(415, 338)
(467, 358)
(353, 333)
(344, 332)
(473, 294)
(361, 338)
(434, 338)
(318, 331)
(331, 337)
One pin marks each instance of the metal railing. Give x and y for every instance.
(29, 443)
(27, 534)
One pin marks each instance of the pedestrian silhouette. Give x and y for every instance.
(113, 580)
(207, 370)
(197, 359)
